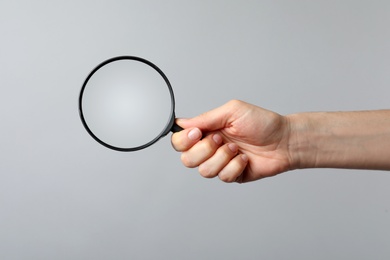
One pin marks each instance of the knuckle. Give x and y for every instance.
(207, 145)
(226, 178)
(235, 102)
(205, 171)
(177, 143)
(187, 161)
(232, 171)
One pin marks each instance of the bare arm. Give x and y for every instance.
(242, 142)
(359, 140)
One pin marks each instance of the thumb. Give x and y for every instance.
(212, 120)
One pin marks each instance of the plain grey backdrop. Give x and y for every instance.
(64, 196)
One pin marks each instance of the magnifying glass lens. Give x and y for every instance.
(127, 103)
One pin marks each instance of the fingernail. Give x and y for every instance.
(194, 134)
(217, 139)
(233, 147)
(245, 158)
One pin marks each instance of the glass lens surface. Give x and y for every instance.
(127, 103)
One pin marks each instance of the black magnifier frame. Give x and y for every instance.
(171, 126)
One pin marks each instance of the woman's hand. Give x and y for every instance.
(241, 142)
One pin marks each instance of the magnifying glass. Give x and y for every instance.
(126, 104)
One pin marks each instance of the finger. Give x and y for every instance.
(214, 119)
(234, 169)
(185, 139)
(201, 151)
(211, 167)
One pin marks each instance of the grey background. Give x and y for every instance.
(64, 196)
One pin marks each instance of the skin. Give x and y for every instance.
(241, 142)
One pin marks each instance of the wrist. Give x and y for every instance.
(302, 147)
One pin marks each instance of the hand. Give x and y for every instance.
(241, 142)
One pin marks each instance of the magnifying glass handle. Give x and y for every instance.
(176, 128)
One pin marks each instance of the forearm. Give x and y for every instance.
(355, 140)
